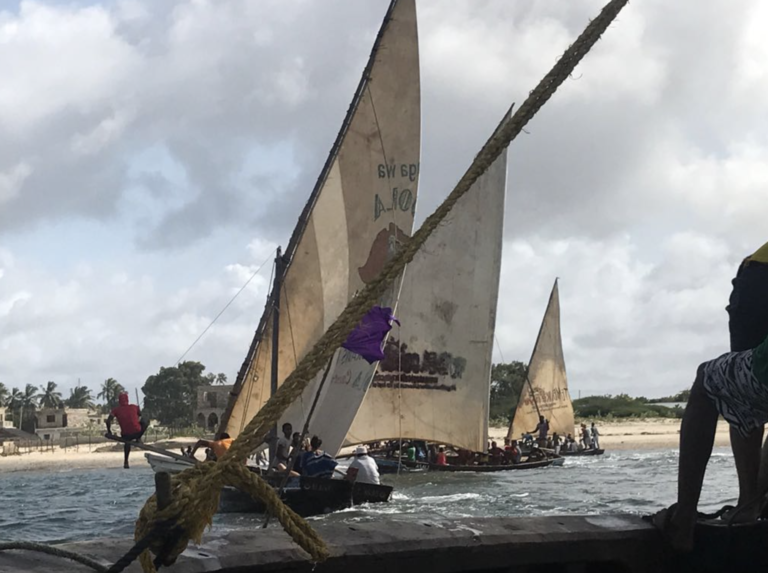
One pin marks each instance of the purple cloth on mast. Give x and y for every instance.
(367, 337)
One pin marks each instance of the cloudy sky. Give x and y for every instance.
(153, 155)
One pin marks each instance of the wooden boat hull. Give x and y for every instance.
(597, 452)
(306, 496)
(497, 468)
(390, 466)
(309, 496)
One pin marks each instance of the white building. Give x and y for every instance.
(3, 422)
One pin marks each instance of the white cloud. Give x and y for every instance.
(183, 131)
(57, 58)
(12, 181)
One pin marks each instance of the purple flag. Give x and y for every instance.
(367, 337)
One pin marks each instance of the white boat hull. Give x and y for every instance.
(166, 464)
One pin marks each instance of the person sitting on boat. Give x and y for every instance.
(364, 466)
(556, 443)
(132, 427)
(496, 454)
(283, 449)
(298, 449)
(464, 457)
(441, 459)
(734, 386)
(513, 453)
(410, 452)
(218, 447)
(316, 462)
(595, 437)
(543, 429)
(536, 454)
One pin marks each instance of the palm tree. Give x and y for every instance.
(14, 399)
(80, 397)
(13, 402)
(28, 401)
(110, 390)
(3, 395)
(50, 398)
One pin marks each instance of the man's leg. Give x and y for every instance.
(144, 425)
(126, 451)
(697, 436)
(746, 455)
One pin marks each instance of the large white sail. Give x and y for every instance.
(435, 381)
(361, 209)
(546, 391)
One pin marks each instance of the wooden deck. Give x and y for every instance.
(567, 544)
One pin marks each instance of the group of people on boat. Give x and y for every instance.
(589, 438)
(310, 460)
(417, 451)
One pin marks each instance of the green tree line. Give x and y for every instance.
(170, 396)
(507, 380)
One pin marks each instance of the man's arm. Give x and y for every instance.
(109, 423)
(200, 444)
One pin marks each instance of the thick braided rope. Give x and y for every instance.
(56, 551)
(195, 506)
(198, 490)
(256, 430)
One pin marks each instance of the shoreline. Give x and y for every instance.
(650, 434)
(83, 457)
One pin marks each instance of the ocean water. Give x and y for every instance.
(71, 505)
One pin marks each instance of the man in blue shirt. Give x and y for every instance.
(316, 462)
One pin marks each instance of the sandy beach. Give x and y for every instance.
(96, 457)
(617, 435)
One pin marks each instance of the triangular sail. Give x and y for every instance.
(361, 208)
(435, 381)
(546, 390)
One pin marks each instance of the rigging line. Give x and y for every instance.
(226, 306)
(250, 366)
(378, 131)
(399, 398)
(386, 169)
(384, 154)
(290, 326)
(498, 347)
(293, 340)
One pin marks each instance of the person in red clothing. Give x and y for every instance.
(441, 459)
(132, 427)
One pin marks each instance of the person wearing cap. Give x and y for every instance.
(367, 470)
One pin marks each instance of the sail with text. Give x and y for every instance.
(358, 214)
(545, 392)
(434, 382)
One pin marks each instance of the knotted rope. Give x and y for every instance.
(196, 490)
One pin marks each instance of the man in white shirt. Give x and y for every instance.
(283, 449)
(595, 437)
(367, 471)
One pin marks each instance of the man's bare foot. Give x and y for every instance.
(747, 513)
(675, 528)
